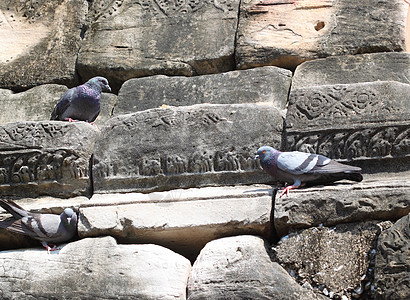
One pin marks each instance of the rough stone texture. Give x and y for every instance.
(37, 103)
(46, 158)
(353, 69)
(362, 121)
(147, 37)
(94, 269)
(268, 84)
(40, 41)
(286, 33)
(392, 279)
(342, 203)
(183, 147)
(240, 268)
(9, 240)
(336, 260)
(182, 220)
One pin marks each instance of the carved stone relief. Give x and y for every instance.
(37, 154)
(161, 145)
(350, 121)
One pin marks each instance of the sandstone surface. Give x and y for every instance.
(267, 84)
(40, 42)
(46, 158)
(95, 268)
(392, 269)
(240, 268)
(139, 38)
(182, 147)
(182, 220)
(338, 261)
(343, 203)
(286, 33)
(346, 69)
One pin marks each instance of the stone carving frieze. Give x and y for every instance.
(197, 162)
(374, 142)
(36, 166)
(338, 104)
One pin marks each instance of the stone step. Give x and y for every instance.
(181, 220)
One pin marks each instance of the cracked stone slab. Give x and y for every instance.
(348, 69)
(240, 268)
(270, 32)
(130, 39)
(46, 158)
(392, 267)
(337, 260)
(45, 204)
(182, 147)
(94, 268)
(385, 199)
(366, 123)
(40, 42)
(183, 220)
(267, 84)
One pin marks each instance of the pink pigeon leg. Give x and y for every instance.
(286, 190)
(45, 245)
(70, 120)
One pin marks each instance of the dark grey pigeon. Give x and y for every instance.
(81, 103)
(304, 168)
(48, 228)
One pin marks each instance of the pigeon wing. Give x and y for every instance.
(301, 163)
(13, 208)
(63, 103)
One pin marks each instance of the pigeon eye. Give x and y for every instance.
(263, 152)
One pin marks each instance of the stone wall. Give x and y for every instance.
(171, 203)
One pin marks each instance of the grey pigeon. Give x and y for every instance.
(81, 103)
(304, 168)
(48, 228)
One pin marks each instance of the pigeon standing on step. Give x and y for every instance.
(81, 103)
(304, 168)
(48, 228)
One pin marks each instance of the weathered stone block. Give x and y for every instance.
(342, 203)
(46, 158)
(40, 42)
(240, 268)
(353, 69)
(94, 269)
(182, 220)
(337, 261)
(10, 240)
(182, 147)
(267, 84)
(366, 122)
(392, 269)
(286, 33)
(130, 39)
(36, 104)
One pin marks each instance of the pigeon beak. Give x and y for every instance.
(256, 156)
(107, 87)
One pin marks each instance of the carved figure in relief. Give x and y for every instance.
(3, 176)
(201, 162)
(150, 167)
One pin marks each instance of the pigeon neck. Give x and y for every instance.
(93, 86)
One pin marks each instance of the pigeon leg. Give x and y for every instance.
(286, 190)
(70, 120)
(45, 245)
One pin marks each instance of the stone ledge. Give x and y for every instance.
(182, 220)
(381, 199)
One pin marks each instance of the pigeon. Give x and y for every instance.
(48, 228)
(304, 168)
(81, 103)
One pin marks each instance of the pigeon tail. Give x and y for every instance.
(353, 176)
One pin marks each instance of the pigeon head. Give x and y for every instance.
(266, 154)
(68, 217)
(99, 83)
